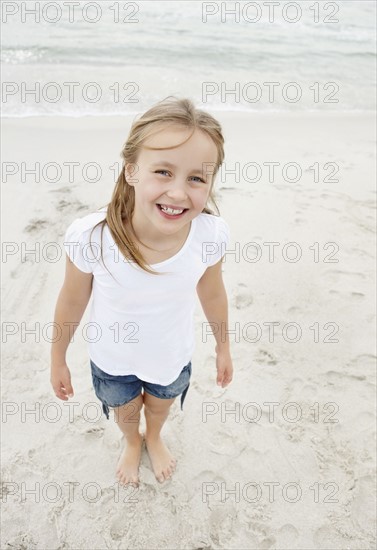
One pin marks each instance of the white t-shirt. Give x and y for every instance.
(140, 323)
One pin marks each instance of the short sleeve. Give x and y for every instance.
(217, 249)
(80, 251)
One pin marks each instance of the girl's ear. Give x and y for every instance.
(127, 174)
(130, 170)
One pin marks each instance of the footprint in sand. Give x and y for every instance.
(36, 224)
(61, 190)
(119, 525)
(363, 503)
(24, 540)
(224, 444)
(70, 205)
(221, 522)
(287, 536)
(334, 275)
(328, 537)
(242, 298)
(265, 357)
(294, 310)
(207, 476)
(337, 377)
(197, 387)
(365, 359)
(96, 430)
(87, 426)
(308, 392)
(354, 296)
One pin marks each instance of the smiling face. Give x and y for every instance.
(179, 176)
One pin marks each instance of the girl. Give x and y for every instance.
(143, 258)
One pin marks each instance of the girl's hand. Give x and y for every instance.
(224, 368)
(61, 381)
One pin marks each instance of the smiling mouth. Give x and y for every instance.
(170, 215)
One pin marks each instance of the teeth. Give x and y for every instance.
(170, 210)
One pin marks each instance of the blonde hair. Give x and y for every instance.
(171, 110)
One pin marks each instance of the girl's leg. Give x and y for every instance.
(156, 412)
(127, 418)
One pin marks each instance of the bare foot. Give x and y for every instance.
(163, 462)
(128, 463)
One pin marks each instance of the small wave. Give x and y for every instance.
(16, 56)
(210, 108)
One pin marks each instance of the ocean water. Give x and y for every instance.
(112, 58)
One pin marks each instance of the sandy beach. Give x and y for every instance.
(284, 457)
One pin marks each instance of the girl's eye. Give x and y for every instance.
(166, 172)
(159, 171)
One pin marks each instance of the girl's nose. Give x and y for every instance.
(177, 191)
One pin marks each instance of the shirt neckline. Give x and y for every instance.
(183, 247)
(180, 251)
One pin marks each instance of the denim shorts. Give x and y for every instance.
(115, 391)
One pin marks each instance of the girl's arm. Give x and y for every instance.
(70, 307)
(212, 295)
